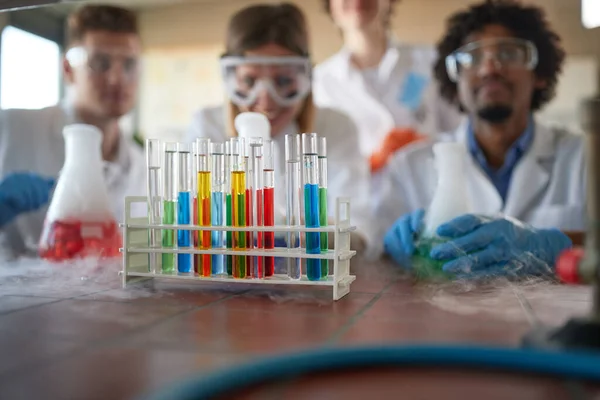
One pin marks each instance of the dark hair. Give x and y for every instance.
(255, 26)
(327, 7)
(100, 18)
(525, 22)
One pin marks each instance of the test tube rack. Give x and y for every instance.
(136, 250)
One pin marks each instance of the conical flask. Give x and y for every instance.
(79, 222)
(450, 200)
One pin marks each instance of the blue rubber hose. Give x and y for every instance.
(575, 366)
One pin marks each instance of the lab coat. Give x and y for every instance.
(403, 96)
(348, 174)
(31, 140)
(547, 188)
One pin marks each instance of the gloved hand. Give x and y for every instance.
(22, 192)
(395, 139)
(484, 246)
(399, 241)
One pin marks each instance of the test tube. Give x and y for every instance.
(323, 202)
(169, 205)
(184, 205)
(203, 262)
(256, 194)
(228, 208)
(153, 162)
(249, 215)
(269, 203)
(292, 203)
(219, 188)
(195, 234)
(311, 203)
(238, 203)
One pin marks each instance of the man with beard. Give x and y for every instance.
(101, 68)
(499, 62)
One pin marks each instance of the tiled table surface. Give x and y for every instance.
(69, 335)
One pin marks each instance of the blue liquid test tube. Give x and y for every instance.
(292, 201)
(219, 190)
(184, 205)
(311, 203)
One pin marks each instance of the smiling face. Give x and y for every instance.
(359, 14)
(498, 80)
(105, 81)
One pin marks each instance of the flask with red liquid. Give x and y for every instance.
(79, 222)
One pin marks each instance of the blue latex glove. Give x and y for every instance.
(498, 246)
(22, 192)
(399, 241)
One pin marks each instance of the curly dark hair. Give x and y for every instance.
(525, 22)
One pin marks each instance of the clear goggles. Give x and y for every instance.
(101, 62)
(505, 53)
(286, 80)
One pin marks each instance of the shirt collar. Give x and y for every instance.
(519, 147)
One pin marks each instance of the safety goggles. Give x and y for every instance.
(286, 80)
(101, 62)
(505, 53)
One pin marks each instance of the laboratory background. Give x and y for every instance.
(339, 309)
(183, 41)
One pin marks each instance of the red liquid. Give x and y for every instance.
(206, 239)
(195, 235)
(249, 243)
(65, 240)
(259, 244)
(269, 218)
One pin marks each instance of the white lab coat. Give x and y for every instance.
(547, 188)
(31, 140)
(348, 174)
(377, 110)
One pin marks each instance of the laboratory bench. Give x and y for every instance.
(68, 336)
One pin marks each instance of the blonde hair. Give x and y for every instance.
(282, 24)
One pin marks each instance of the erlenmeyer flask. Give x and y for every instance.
(79, 222)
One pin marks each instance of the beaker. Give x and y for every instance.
(79, 222)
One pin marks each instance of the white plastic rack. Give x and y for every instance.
(136, 251)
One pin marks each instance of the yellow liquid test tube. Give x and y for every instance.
(238, 200)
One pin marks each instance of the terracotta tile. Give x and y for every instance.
(111, 373)
(14, 303)
(85, 320)
(415, 384)
(184, 296)
(315, 303)
(220, 328)
(21, 350)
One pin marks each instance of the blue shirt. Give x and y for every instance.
(501, 177)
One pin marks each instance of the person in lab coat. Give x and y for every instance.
(267, 69)
(383, 84)
(101, 67)
(500, 61)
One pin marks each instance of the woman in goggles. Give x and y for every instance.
(266, 69)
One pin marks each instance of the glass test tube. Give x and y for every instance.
(323, 202)
(219, 189)
(169, 204)
(195, 234)
(228, 208)
(184, 205)
(311, 203)
(238, 203)
(249, 220)
(203, 262)
(269, 203)
(256, 194)
(153, 162)
(292, 203)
